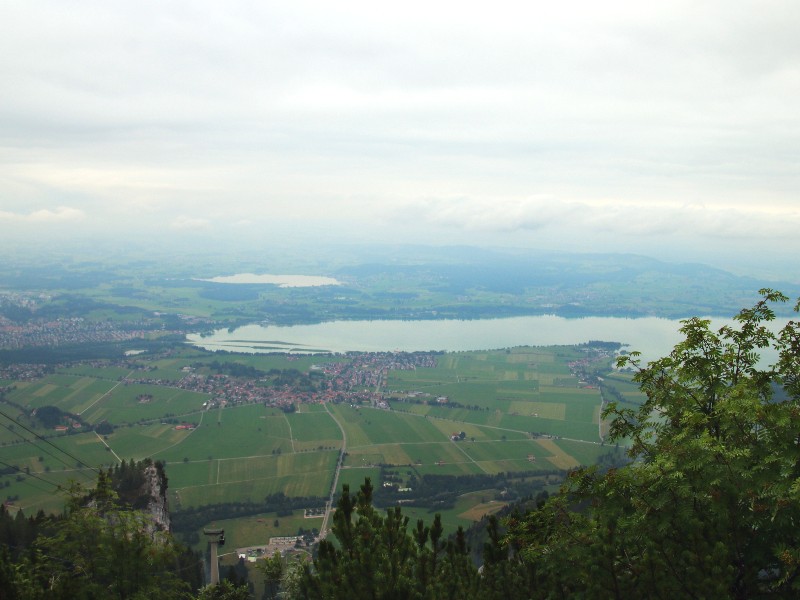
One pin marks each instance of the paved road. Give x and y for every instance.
(323, 531)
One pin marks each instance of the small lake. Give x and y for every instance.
(653, 337)
(284, 281)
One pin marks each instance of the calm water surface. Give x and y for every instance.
(279, 280)
(652, 336)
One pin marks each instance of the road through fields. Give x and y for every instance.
(323, 531)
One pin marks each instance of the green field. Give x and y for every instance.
(520, 411)
(310, 430)
(251, 479)
(143, 402)
(69, 393)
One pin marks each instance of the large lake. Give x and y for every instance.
(283, 281)
(654, 337)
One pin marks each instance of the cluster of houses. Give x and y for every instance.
(370, 369)
(352, 381)
(58, 332)
(23, 372)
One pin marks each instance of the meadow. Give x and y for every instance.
(525, 411)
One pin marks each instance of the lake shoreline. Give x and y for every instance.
(652, 336)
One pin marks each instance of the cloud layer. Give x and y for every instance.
(564, 120)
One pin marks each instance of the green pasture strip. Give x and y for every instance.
(232, 470)
(191, 473)
(580, 431)
(61, 380)
(409, 380)
(463, 415)
(173, 375)
(541, 410)
(82, 393)
(54, 389)
(249, 416)
(518, 387)
(313, 426)
(241, 432)
(145, 441)
(311, 408)
(108, 372)
(273, 422)
(374, 426)
(568, 394)
(477, 417)
(34, 387)
(70, 394)
(405, 454)
(584, 453)
(18, 389)
(558, 366)
(305, 484)
(145, 402)
(466, 392)
(584, 412)
(46, 392)
(508, 450)
(410, 408)
(476, 432)
(557, 456)
(81, 400)
(243, 469)
(354, 425)
(86, 447)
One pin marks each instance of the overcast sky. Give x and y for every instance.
(669, 129)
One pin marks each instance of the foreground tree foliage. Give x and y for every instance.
(378, 557)
(96, 549)
(709, 507)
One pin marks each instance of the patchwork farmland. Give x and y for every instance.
(278, 425)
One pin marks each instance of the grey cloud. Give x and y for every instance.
(616, 118)
(44, 215)
(628, 220)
